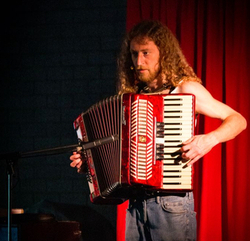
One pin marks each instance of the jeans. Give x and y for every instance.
(166, 218)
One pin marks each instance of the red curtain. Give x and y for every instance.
(214, 37)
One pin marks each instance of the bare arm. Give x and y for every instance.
(232, 122)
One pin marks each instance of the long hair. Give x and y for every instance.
(173, 64)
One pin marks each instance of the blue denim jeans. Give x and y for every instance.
(166, 218)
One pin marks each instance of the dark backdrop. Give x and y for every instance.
(57, 59)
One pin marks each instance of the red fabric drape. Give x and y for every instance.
(214, 38)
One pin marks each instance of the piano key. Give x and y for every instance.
(180, 167)
(177, 186)
(174, 132)
(186, 179)
(176, 174)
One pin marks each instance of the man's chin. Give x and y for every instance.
(145, 80)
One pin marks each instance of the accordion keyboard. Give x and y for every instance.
(178, 127)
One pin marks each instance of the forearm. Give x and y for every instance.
(199, 145)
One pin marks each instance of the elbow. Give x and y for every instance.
(244, 123)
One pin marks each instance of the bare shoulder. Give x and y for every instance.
(191, 87)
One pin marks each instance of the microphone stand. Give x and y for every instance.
(13, 157)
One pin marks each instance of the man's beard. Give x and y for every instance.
(149, 77)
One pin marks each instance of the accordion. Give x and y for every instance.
(143, 134)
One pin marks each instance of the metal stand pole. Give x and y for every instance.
(10, 172)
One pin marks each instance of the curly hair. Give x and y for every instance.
(173, 64)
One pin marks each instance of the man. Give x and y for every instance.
(152, 61)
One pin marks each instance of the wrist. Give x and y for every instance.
(213, 138)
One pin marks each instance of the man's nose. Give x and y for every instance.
(140, 59)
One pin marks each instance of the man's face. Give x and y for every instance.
(145, 56)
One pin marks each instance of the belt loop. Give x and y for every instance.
(157, 199)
